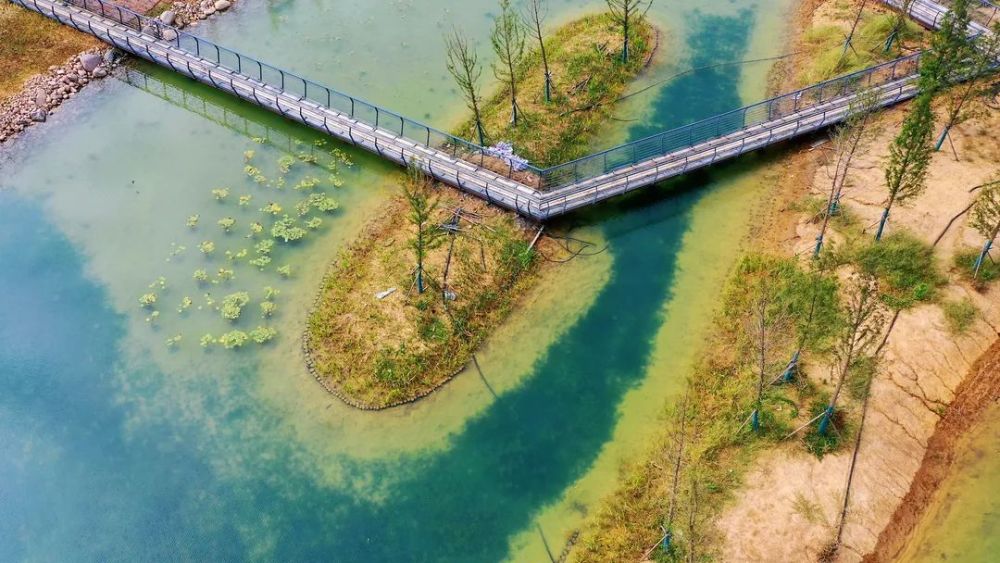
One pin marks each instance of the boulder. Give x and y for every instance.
(222, 5)
(168, 17)
(100, 72)
(168, 34)
(38, 115)
(41, 98)
(90, 61)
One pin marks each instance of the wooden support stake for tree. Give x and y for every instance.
(537, 236)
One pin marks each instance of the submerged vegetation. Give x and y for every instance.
(248, 240)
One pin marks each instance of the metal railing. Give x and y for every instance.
(292, 84)
(724, 124)
(544, 180)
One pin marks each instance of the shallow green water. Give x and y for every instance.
(962, 522)
(115, 447)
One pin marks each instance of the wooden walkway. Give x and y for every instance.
(160, 44)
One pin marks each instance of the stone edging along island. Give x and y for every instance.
(44, 93)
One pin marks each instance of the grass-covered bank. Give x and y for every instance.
(374, 338)
(846, 36)
(588, 77)
(30, 43)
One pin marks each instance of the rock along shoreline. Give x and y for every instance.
(43, 93)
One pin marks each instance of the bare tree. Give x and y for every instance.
(865, 319)
(853, 135)
(463, 64)
(627, 13)
(534, 20)
(986, 220)
(767, 327)
(508, 43)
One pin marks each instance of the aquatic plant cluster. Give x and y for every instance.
(234, 240)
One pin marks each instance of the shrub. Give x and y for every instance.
(200, 276)
(192, 221)
(147, 300)
(837, 434)
(227, 224)
(959, 315)
(220, 194)
(905, 267)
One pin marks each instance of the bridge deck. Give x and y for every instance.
(539, 204)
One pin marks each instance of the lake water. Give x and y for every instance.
(115, 445)
(963, 519)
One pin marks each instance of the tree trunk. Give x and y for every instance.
(625, 30)
(828, 414)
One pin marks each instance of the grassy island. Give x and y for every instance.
(587, 78)
(374, 339)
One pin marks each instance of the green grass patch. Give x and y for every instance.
(959, 314)
(905, 266)
(825, 47)
(838, 432)
(964, 263)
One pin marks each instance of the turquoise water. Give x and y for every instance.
(115, 447)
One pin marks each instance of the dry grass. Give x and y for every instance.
(823, 43)
(30, 43)
(380, 352)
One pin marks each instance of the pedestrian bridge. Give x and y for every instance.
(533, 192)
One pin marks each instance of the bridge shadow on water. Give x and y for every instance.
(460, 504)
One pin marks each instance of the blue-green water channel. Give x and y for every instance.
(115, 446)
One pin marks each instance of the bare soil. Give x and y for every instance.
(979, 391)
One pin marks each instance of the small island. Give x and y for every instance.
(404, 308)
